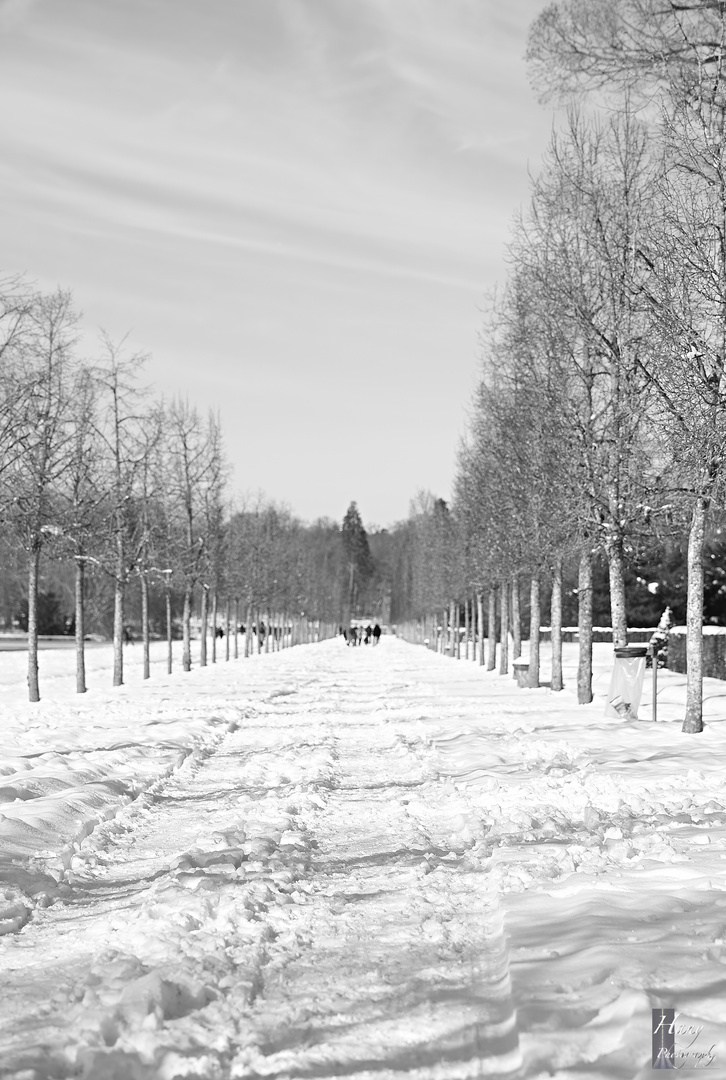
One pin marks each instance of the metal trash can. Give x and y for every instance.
(626, 682)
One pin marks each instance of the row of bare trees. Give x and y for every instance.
(600, 421)
(276, 568)
(92, 470)
(131, 492)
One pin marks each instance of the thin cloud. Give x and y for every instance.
(281, 171)
(14, 12)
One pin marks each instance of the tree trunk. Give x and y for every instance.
(556, 624)
(467, 627)
(187, 629)
(267, 632)
(215, 605)
(534, 624)
(204, 629)
(236, 628)
(258, 649)
(504, 629)
(351, 593)
(457, 631)
(480, 622)
(693, 722)
(80, 628)
(584, 628)
(118, 632)
(145, 625)
(226, 629)
(169, 647)
(248, 630)
(516, 619)
(492, 630)
(616, 573)
(33, 567)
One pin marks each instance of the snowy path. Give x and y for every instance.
(303, 865)
(274, 908)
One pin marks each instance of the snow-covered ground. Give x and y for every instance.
(354, 862)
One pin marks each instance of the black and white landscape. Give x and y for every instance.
(362, 551)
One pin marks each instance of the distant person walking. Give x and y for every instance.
(376, 634)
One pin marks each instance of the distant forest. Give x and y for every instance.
(337, 571)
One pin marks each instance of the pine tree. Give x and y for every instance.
(358, 556)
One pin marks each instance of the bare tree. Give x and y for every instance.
(121, 416)
(634, 45)
(83, 500)
(577, 246)
(194, 454)
(43, 438)
(674, 51)
(149, 494)
(18, 304)
(686, 293)
(214, 554)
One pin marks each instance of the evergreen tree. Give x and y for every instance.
(358, 556)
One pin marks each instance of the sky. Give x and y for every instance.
(297, 208)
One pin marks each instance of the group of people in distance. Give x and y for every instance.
(361, 635)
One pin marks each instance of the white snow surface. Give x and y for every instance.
(337, 862)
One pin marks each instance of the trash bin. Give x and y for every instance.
(626, 682)
(521, 672)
